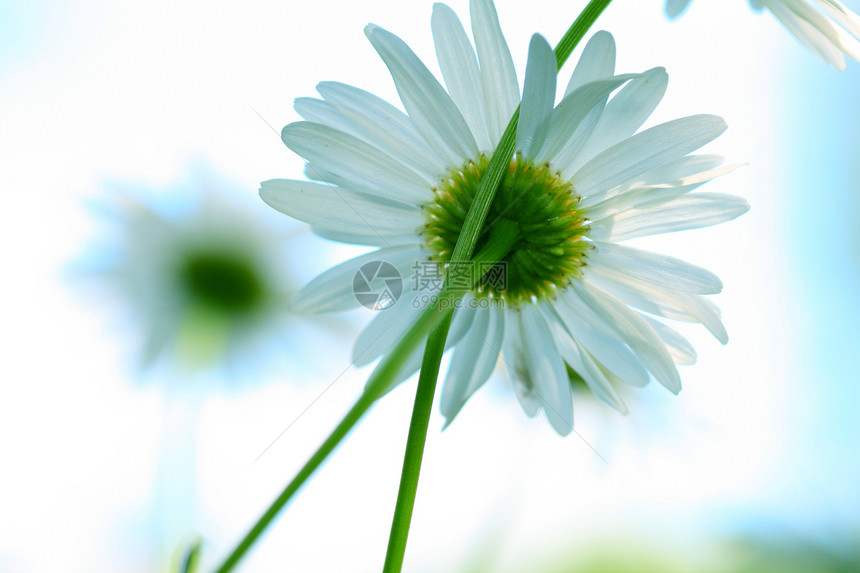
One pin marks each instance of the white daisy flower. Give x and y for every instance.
(581, 182)
(827, 27)
(200, 275)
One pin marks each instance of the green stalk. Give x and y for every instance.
(435, 315)
(380, 378)
(503, 237)
(415, 445)
(377, 384)
(352, 417)
(578, 29)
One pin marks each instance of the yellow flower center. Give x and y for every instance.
(552, 247)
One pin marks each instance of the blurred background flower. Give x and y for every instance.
(204, 277)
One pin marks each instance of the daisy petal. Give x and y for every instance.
(658, 270)
(643, 152)
(845, 17)
(333, 290)
(332, 207)
(652, 195)
(459, 67)
(661, 302)
(385, 127)
(386, 328)
(575, 118)
(663, 184)
(546, 370)
(599, 382)
(631, 328)
(626, 112)
(680, 349)
(498, 75)
(675, 7)
(460, 325)
(428, 104)
(689, 211)
(514, 357)
(585, 365)
(677, 171)
(316, 173)
(588, 330)
(838, 37)
(474, 360)
(366, 237)
(354, 159)
(538, 97)
(319, 111)
(820, 38)
(597, 62)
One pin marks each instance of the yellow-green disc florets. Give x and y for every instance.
(552, 246)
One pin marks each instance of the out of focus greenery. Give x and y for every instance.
(750, 554)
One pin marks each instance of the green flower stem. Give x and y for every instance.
(377, 384)
(503, 237)
(435, 314)
(415, 445)
(578, 30)
(343, 428)
(375, 388)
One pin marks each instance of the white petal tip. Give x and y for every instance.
(673, 385)
(265, 192)
(562, 430)
(359, 360)
(370, 30)
(615, 403)
(604, 35)
(660, 76)
(538, 39)
(675, 8)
